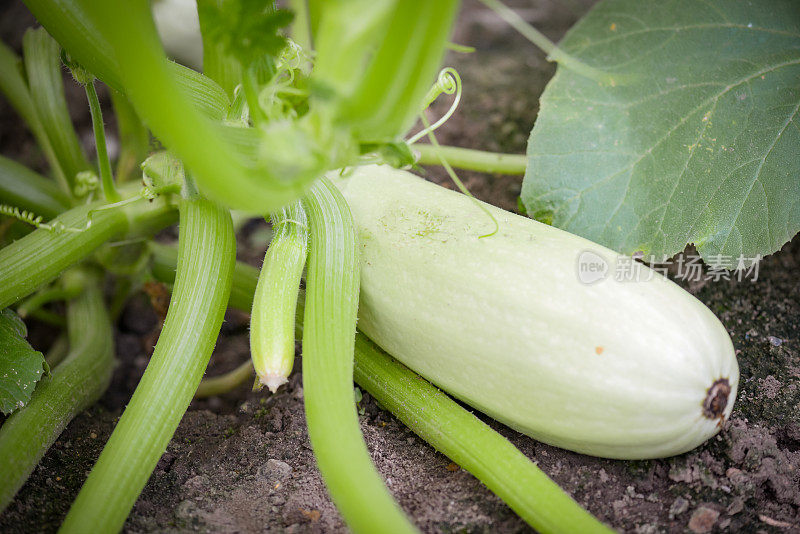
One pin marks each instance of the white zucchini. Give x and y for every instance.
(636, 369)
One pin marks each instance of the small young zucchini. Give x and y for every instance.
(619, 369)
(275, 302)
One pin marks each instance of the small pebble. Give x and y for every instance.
(275, 470)
(736, 506)
(703, 520)
(775, 341)
(678, 507)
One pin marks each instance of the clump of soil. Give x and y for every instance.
(242, 462)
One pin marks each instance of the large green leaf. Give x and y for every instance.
(698, 143)
(21, 367)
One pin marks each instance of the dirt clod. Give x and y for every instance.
(242, 462)
(703, 520)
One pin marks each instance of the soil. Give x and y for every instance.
(242, 462)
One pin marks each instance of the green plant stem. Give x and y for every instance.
(48, 317)
(43, 70)
(205, 263)
(134, 139)
(79, 33)
(554, 53)
(470, 443)
(392, 64)
(245, 277)
(441, 422)
(301, 26)
(272, 318)
(36, 301)
(217, 385)
(106, 177)
(58, 351)
(217, 64)
(15, 89)
(40, 256)
(473, 160)
(27, 190)
(250, 86)
(332, 285)
(75, 384)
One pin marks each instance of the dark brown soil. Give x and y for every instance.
(242, 462)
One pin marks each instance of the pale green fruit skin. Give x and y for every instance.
(613, 369)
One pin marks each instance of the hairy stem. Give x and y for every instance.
(27, 190)
(134, 139)
(217, 385)
(203, 280)
(470, 443)
(553, 52)
(73, 236)
(473, 160)
(75, 384)
(332, 285)
(106, 177)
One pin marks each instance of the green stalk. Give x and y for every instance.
(329, 331)
(27, 190)
(39, 257)
(272, 318)
(217, 385)
(205, 262)
(43, 70)
(470, 443)
(38, 300)
(554, 53)
(245, 277)
(58, 351)
(134, 139)
(217, 64)
(473, 160)
(75, 384)
(441, 422)
(15, 88)
(80, 35)
(410, 52)
(106, 177)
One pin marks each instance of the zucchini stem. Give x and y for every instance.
(203, 281)
(106, 177)
(78, 381)
(472, 160)
(332, 285)
(554, 53)
(218, 385)
(470, 442)
(22, 266)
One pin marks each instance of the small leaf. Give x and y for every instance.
(21, 367)
(699, 141)
(246, 29)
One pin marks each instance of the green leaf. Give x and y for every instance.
(21, 367)
(699, 142)
(245, 29)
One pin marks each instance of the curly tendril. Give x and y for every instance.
(448, 82)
